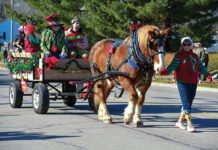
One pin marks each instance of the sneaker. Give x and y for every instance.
(180, 125)
(190, 128)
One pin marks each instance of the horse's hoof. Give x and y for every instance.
(128, 119)
(108, 121)
(139, 124)
(127, 122)
(100, 117)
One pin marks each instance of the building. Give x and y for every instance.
(5, 30)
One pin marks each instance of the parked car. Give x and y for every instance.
(214, 46)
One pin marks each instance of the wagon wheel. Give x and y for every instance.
(69, 100)
(94, 101)
(15, 95)
(40, 98)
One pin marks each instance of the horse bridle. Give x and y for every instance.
(135, 55)
(160, 43)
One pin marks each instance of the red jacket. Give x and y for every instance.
(187, 71)
(29, 48)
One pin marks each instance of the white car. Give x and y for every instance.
(214, 46)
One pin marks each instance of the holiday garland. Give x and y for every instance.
(22, 65)
(25, 65)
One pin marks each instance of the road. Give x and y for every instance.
(77, 128)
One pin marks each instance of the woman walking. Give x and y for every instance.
(186, 65)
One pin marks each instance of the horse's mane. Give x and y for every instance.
(143, 34)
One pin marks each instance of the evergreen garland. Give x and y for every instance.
(23, 65)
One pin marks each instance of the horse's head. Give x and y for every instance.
(151, 42)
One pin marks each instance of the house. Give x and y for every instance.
(5, 30)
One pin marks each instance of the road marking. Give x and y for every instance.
(202, 113)
(209, 114)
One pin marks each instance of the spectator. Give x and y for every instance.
(201, 52)
(206, 60)
(5, 52)
(0, 48)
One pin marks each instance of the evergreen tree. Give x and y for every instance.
(111, 18)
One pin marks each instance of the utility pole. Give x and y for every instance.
(11, 42)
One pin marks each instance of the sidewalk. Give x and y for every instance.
(205, 89)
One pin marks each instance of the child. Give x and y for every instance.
(31, 42)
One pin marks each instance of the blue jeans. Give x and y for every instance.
(187, 92)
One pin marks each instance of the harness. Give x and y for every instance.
(135, 58)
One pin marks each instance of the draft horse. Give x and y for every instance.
(138, 57)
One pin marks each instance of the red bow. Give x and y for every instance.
(210, 78)
(51, 61)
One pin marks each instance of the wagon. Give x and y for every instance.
(64, 81)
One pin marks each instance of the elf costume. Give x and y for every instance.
(51, 40)
(32, 43)
(76, 42)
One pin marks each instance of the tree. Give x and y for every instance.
(111, 18)
(194, 18)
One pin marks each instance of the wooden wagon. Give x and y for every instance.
(59, 82)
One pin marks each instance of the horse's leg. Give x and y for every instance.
(141, 98)
(133, 96)
(103, 91)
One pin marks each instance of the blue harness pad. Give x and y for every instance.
(117, 43)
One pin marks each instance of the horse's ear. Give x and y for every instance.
(165, 32)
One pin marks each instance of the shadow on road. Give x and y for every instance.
(19, 135)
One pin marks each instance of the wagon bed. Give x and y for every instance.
(45, 83)
(64, 70)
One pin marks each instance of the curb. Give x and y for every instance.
(202, 89)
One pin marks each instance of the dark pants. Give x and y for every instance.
(187, 92)
(5, 59)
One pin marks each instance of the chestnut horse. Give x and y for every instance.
(138, 56)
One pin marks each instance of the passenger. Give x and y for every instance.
(76, 40)
(32, 43)
(53, 38)
(19, 41)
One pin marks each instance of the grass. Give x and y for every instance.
(2, 65)
(212, 68)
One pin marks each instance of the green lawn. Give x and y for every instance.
(2, 60)
(212, 68)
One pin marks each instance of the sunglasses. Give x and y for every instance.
(188, 44)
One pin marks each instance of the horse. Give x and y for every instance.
(138, 57)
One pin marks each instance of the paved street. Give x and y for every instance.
(77, 128)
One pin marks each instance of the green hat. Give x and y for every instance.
(75, 19)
